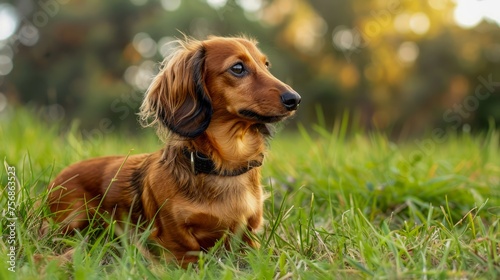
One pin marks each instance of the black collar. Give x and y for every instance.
(201, 163)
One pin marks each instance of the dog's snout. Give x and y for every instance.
(290, 100)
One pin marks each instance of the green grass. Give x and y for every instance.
(340, 207)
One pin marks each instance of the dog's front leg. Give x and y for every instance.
(181, 245)
(254, 224)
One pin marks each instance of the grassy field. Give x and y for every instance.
(340, 207)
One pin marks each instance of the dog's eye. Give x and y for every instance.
(238, 69)
(268, 65)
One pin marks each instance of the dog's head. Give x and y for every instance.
(225, 78)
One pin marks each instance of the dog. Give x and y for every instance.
(213, 103)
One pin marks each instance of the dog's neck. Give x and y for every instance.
(231, 145)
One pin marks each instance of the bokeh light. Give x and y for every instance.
(8, 21)
(144, 44)
(469, 13)
(419, 23)
(217, 4)
(166, 46)
(6, 50)
(345, 39)
(6, 65)
(408, 52)
(250, 5)
(140, 76)
(3, 102)
(170, 5)
(28, 35)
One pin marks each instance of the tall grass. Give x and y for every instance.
(341, 206)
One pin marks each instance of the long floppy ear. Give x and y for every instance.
(177, 100)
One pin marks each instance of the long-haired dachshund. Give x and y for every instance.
(212, 103)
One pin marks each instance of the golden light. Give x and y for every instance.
(469, 13)
(419, 23)
(402, 23)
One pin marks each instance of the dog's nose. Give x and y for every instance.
(291, 100)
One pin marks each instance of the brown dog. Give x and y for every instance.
(212, 103)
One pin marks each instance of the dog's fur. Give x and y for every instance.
(214, 98)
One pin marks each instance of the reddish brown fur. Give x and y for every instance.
(196, 102)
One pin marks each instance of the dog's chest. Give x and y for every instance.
(224, 212)
(210, 221)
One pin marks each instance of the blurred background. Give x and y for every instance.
(402, 67)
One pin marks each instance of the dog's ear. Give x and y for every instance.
(177, 100)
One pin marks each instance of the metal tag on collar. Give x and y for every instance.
(193, 169)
